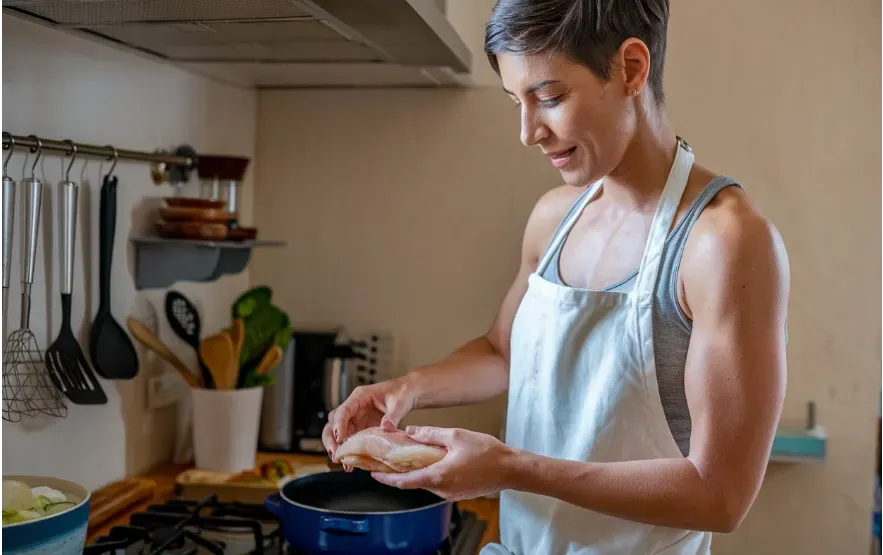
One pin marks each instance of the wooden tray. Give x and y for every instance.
(245, 487)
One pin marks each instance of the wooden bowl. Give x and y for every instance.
(195, 214)
(194, 202)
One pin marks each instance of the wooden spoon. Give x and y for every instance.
(269, 361)
(218, 353)
(143, 334)
(237, 334)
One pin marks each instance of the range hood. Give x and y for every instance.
(275, 43)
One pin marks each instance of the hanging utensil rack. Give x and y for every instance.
(165, 167)
(160, 262)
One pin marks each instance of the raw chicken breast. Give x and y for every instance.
(376, 450)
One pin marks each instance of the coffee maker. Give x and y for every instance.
(318, 372)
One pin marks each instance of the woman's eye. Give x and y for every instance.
(550, 102)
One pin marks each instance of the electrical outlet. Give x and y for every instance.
(164, 390)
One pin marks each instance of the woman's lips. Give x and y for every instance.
(560, 158)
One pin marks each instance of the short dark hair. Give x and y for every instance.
(587, 31)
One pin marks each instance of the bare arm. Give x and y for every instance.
(736, 283)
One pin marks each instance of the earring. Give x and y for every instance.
(635, 92)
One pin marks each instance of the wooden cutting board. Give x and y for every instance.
(117, 499)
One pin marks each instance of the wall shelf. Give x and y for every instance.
(799, 446)
(159, 262)
(807, 444)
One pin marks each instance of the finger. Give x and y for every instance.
(431, 434)
(396, 409)
(340, 422)
(328, 440)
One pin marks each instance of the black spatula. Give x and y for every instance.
(184, 320)
(111, 350)
(68, 368)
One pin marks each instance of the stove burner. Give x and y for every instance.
(208, 526)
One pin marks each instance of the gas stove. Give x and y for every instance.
(209, 527)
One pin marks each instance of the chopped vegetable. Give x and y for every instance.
(22, 503)
(53, 495)
(59, 507)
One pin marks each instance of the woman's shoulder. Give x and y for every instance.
(546, 216)
(731, 236)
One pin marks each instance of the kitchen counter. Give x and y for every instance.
(164, 477)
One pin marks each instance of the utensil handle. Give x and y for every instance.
(8, 222)
(33, 190)
(147, 338)
(69, 234)
(107, 229)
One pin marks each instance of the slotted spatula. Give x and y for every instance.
(68, 368)
(184, 320)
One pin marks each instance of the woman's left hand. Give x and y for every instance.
(476, 464)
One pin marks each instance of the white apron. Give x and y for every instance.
(582, 386)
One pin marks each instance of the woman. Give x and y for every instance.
(642, 342)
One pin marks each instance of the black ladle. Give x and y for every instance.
(110, 348)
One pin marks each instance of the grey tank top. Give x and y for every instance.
(671, 327)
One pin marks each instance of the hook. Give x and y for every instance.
(115, 156)
(11, 148)
(39, 150)
(73, 155)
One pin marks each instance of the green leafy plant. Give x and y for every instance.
(265, 325)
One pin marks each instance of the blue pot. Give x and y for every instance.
(63, 533)
(343, 513)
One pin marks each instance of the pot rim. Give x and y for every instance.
(365, 513)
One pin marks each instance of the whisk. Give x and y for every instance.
(8, 222)
(27, 389)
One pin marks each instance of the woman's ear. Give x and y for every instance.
(633, 59)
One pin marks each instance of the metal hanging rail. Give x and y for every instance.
(166, 167)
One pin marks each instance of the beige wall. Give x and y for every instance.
(786, 97)
(58, 86)
(404, 211)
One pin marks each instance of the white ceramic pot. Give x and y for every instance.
(225, 428)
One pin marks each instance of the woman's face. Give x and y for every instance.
(582, 123)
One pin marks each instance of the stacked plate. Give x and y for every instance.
(200, 219)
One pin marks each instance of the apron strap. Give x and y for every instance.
(664, 217)
(565, 229)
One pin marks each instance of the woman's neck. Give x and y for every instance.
(638, 180)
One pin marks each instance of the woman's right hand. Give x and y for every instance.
(382, 404)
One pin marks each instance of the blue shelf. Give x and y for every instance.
(799, 446)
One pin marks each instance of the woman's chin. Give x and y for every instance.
(577, 177)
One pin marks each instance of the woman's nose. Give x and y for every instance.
(532, 129)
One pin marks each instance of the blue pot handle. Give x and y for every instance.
(334, 524)
(273, 503)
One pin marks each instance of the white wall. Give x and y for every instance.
(59, 86)
(404, 210)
